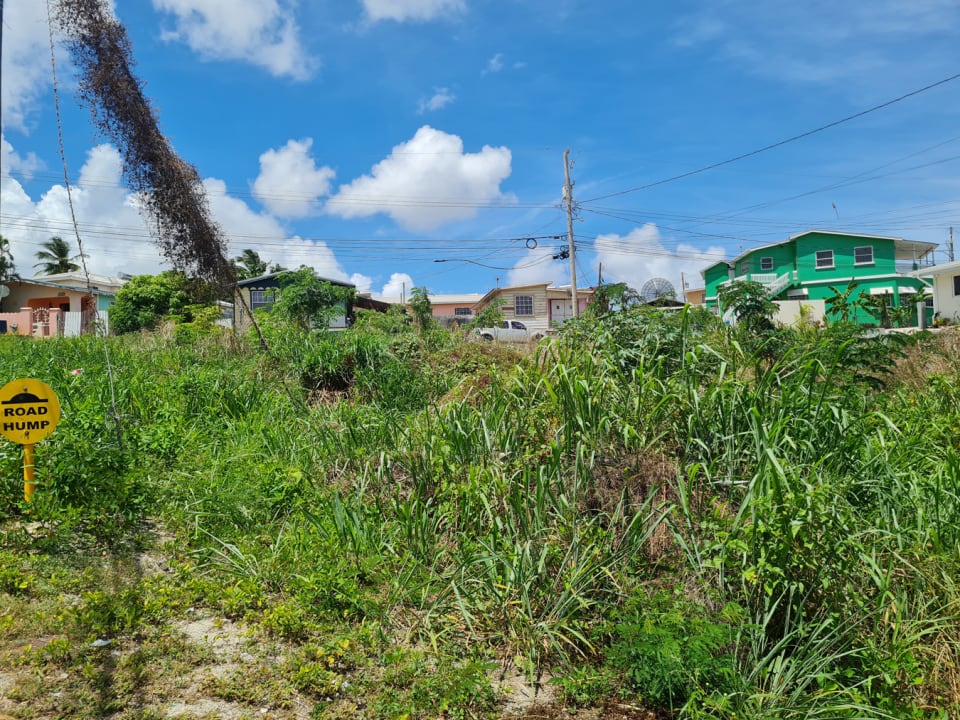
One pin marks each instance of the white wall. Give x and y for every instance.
(790, 311)
(944, 301)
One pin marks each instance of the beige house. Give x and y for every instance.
(542, 307)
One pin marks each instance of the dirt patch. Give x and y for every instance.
(521, 695)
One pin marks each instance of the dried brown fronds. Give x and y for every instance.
(170, 188)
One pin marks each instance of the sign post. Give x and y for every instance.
(29, 411)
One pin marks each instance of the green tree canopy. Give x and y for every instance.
(751, 305)
(147, 299)
(55, 257)
(308, 301)
(249, 264)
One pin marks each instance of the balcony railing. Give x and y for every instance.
(773, 283)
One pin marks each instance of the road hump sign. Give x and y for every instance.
(29, 411)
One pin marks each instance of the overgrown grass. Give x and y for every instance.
(648, 509)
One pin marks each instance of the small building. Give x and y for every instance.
(449, 310)
(61, 305)
(808, 267)
(542, 307)
(945, 279)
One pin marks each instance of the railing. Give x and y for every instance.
(773, 283)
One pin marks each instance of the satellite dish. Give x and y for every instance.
(656, 288)
(4, 291)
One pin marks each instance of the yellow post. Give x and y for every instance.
(28, 473)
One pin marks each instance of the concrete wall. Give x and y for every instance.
(791, 312)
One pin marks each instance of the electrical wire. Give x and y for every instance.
(780, 143)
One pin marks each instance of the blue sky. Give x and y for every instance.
(370, 138)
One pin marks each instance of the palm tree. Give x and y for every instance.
(249, 264)
(55, 257)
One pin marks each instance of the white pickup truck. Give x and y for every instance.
(507, 331)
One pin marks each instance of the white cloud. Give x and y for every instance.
(539, 266)
(246, 228)
(495, 64)
(26, 59)
(113, 234)
(261, 32)
(11, 162)
(426, 182)
(290, 182)
(441, 98)
(117, 239)
(642, 255)
(397, 288)
(415, 10)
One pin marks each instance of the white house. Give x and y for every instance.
(946, 290)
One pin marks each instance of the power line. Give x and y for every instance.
(780, 143)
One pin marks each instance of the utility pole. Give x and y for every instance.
(568, 200)
(950, 246)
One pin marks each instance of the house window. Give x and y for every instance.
(745, 267)
(956, 284)
(523, 305)
(462, 312)
(262, 299)
(863, 255)
(766, 263)
(824, 259)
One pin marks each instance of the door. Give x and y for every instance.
(560, 311)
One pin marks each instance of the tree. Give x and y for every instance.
(249, 264)
(422, 308)
(147, 299)
(750, 304)
(309, 301)
(840, 303)
(610, 297)
(491, 315)
(55, 257)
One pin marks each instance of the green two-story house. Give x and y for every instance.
(808, 265)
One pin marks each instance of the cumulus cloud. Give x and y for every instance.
(113, 233)
(116, 238)
(538, 266)
(426, 182)
(262, 32)
(26, 59)
(290, 183)
(397, 288)
(441, 98)
(642, 255)
(12, 162)
(414, 10)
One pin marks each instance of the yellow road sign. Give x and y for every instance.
(29, 411)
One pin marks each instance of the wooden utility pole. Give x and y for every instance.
(568, 201)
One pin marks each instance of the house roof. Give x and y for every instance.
(948, 267)
(903, 249)
(74, 287)
(274, 278)
(546, 285)
(78, 280)
(461, 299)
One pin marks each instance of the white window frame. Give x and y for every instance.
(262, 299)
(956, 285)
(858, 263)
(823, 265)
(766, 264)
(463, 312)
(526, 303)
